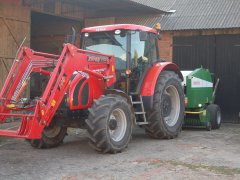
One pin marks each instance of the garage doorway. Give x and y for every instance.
(48, 33)
(220, 54)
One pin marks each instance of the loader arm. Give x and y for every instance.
(41, 112)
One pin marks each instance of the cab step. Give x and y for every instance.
(138, 106)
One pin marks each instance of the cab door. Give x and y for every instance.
(144, 53)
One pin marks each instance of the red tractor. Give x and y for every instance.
(116, 80)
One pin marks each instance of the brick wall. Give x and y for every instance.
(165, 46)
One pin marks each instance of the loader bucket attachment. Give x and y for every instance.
(11, 106)
(36, 114)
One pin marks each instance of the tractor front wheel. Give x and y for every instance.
(166, 117)
(52, 136)
(109, 124)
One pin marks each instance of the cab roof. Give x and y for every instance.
(118, 26)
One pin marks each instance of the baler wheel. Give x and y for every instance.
(215, 115)
(209, 126)
(109, 124)
(166, 117)
(52, 136)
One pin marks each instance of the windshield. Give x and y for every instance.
(111, 43)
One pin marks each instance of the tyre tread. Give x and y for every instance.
(156, 127)
(96, 123)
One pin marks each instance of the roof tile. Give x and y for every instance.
(195, 14)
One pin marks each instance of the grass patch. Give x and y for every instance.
(216, 169)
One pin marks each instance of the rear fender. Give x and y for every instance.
(150, 81)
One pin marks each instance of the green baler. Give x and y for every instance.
(200, 110)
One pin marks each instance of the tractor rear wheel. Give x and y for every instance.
(52, 136)
(109, 124)
(215, 115)
(166, 117)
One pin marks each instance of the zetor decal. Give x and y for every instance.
(200, 83)
(98, 59)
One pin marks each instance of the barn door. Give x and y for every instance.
(220, 54)
(228, 70)
(194, 51)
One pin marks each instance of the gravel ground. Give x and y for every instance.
(195, 154)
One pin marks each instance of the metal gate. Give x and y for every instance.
(220, 54)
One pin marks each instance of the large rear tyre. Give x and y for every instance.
(166, 117)
(109, 124)
(215, 115)
(52, 136)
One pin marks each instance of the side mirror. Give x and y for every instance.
(71, 38)
(143, 36)
(73, 35)
(159, 36)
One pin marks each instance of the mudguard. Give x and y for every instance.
(148, 86)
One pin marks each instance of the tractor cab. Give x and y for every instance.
(135, 49)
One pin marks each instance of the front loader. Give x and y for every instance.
(116, 80)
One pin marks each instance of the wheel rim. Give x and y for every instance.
(52, 132)
(171, 105)
(117, 128)
(218, 117)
